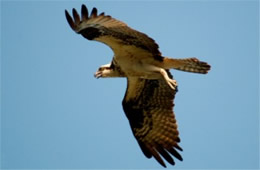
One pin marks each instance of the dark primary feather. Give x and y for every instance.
(70, 20)
(76, 16)
(148, 105)
(93, 13)
(105, 25)
(84, 13)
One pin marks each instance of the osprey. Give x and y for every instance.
(148, 102)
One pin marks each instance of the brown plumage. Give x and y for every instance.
(148, 102)
(148, 106)
(187, 64)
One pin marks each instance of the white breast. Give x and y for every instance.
(130, 58)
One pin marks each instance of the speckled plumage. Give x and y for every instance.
(148, 105)
(148, 102)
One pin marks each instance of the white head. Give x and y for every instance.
(107, 71)
(103, 71)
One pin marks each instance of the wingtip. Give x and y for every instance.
(76, 16)
(179, 148)
(175, 153)
(67, 13)
(84, 12)
(163, 165)
(94, 12)
(70, 20)
(83, 6)
(165, 155)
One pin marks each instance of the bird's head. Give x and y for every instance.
(104, 71)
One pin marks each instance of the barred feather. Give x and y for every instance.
(188, 64)
(148, 105)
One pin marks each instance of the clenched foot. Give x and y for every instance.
(172, 83)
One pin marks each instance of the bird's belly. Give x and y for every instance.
(136, 68)
(133, 61)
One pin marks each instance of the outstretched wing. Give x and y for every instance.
(148, 105)
(116, 34)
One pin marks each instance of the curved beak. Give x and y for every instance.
(98, 74)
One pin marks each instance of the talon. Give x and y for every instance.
(171, 86)
(175, 83)
(172, 83)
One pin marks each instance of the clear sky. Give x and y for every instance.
(55, 114)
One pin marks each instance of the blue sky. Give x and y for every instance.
(55, 114)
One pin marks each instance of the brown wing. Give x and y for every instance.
(114, 33)
(148, 104)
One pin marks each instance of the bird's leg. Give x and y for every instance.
(172, 83)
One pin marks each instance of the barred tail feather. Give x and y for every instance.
(188, 64)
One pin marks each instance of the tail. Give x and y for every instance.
(188, 64)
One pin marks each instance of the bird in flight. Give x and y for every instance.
(148, 101)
